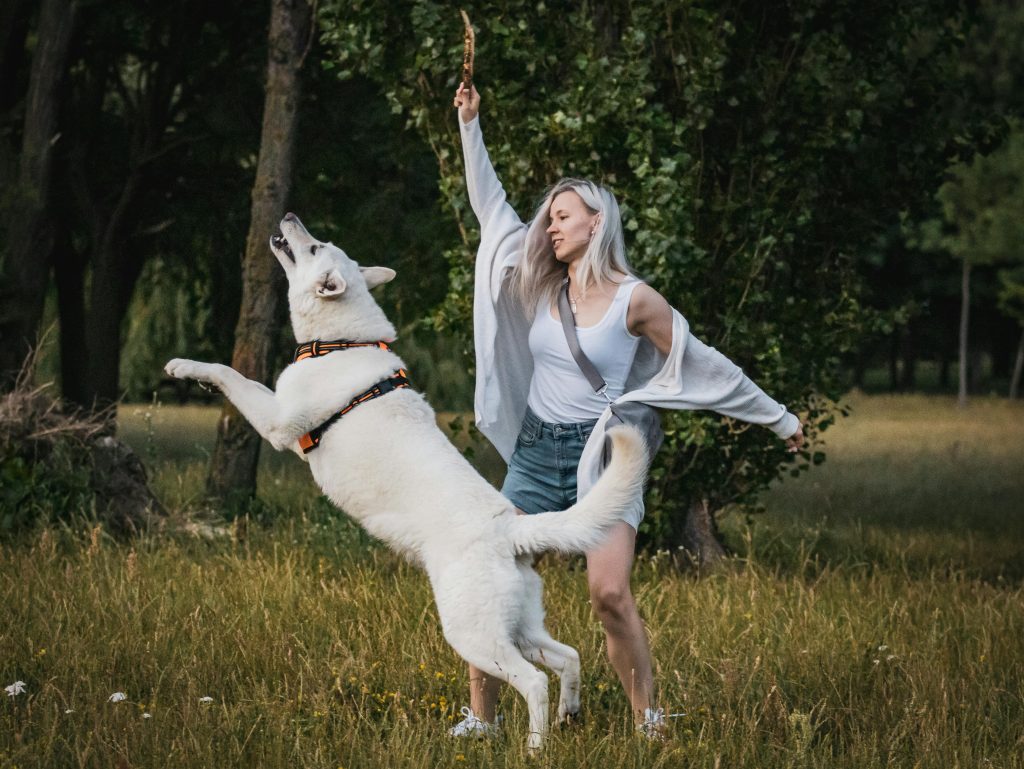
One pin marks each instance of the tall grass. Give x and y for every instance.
(872, 617)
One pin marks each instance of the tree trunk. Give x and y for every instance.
(894, 361)
(69, 277)
(965, 310)
(700, 535)
(1018, 366)
(113, 280)
(15, 20)
(235, 456)
(908, 351)
(860, 365)
(29, 249)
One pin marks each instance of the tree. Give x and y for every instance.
(28, 224)
(234, 461)
(752, 148)
(1011, 302)
(982, 224)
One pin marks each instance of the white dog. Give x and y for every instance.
(386, 464)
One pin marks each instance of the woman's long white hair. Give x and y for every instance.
(539, 274)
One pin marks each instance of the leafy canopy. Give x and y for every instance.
(750, 147)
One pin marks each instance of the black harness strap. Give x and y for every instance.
(315, 349)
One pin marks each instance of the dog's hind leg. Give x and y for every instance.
(506, 663)
(564, 661)
(537, 645)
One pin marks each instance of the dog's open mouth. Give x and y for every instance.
(279, 242)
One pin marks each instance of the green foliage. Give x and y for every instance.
(983, 207)
(758, 154)
(982, 218)
(43, 493)
(46, 466)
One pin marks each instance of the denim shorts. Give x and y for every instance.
(542, 472)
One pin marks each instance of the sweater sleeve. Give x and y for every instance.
(696, 376)
(502, 232)
(501, 329)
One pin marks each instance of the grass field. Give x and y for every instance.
(874, 616)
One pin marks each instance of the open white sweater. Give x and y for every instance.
(694, 376)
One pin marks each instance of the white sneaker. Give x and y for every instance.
(471, 726)
(655, 727)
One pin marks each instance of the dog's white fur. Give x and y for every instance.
(388, 465)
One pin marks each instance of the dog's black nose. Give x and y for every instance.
(289, 217)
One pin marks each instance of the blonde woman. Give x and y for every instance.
(534, 403)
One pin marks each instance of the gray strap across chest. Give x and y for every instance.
(569, 327)
(641, 416)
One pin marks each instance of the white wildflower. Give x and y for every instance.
(68, 711)
(147, 715)
(18, 687)
(206, 700)
(117, 697)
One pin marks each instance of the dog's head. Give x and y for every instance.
(320, 270)
(321, 277)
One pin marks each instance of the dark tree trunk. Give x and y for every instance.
(965, 312)
(69, 277)
(235, 456)
(908, 352)
(975, 368)
(894, 361)
(114, 274)
(859, 368)
(944, 374)
(15, 16)
(28, 231)
(700, 535)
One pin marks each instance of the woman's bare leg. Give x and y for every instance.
(483, 695)
(608, 571)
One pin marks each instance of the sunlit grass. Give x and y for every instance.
(873, 617)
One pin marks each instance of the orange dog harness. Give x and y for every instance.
(315, 349)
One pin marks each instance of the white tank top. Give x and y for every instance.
(559, 392)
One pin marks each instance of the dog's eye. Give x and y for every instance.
(312, 249)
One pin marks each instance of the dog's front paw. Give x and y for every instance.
(181, 368)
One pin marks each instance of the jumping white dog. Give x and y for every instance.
(388, 466)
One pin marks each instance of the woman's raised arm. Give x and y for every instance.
(497, 218)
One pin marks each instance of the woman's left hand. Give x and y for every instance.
(796, 441)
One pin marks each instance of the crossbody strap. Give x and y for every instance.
(569, 327)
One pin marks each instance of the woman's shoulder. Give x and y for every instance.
(646, 305)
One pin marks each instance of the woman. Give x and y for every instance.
(537, 407)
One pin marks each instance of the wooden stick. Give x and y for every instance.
(468, 53)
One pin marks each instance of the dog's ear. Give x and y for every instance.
(330, 285)
(376, 276)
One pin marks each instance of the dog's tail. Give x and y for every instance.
(583, 526)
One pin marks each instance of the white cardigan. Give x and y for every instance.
(693, 376)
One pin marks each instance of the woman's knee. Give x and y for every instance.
(612, 601)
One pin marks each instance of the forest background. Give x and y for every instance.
(823, 188)
(831, 192)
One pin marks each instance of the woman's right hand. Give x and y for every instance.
(468, 103)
